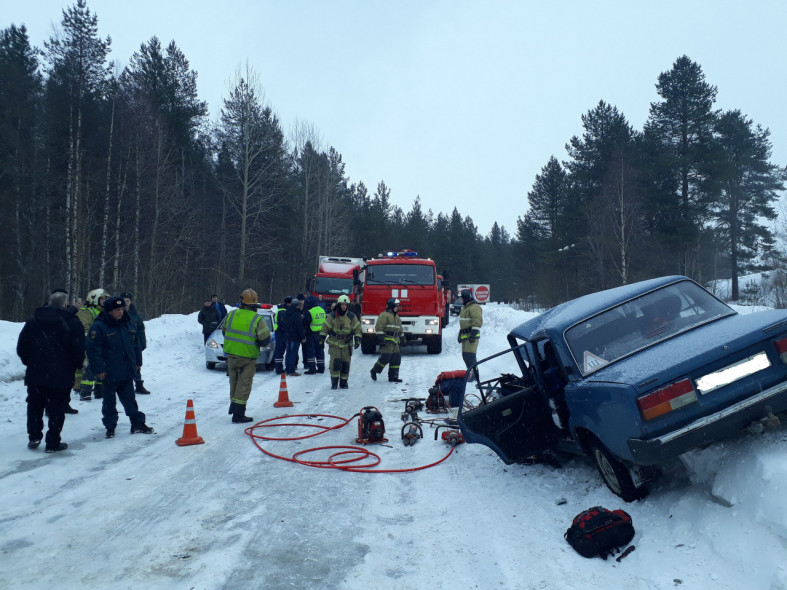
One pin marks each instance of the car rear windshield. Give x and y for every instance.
(642, 322)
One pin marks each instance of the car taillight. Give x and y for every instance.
(666, 399)
(781, 348)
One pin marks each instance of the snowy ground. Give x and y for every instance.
(140, 512)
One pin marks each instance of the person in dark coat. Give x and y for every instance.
(280, 344)
(209, 318)
(219, 305)
(139, 324)
(113, 350)
(291, 327)
(52, 347)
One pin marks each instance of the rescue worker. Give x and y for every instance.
(313, 319)
(341, 329)
(390, 324)
(87, 314)
(471, 318)
(281, 343)
(244, 332)
(114, 353)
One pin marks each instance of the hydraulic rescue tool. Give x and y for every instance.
(371, 428)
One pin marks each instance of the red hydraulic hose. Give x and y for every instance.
(346, 458)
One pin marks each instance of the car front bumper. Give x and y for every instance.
(709, 429)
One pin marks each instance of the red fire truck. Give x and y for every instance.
(336, 275)
(423, 294)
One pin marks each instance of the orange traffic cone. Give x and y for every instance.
(190, 436)
(284, 400)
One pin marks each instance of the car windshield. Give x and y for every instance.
(642, 322)
(403, 274)
(335, 285)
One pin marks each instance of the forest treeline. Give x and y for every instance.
(117, 179)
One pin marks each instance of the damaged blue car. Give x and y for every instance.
(633, 377)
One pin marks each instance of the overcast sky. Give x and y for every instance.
(459, 102)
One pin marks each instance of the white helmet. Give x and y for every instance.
(95, 295)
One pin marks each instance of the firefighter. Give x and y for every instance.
(471, 318)
(87, 314)
(342, 330)
(244, 332)
(390, 325)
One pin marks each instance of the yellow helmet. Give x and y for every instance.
(343, 299)
(248, 297)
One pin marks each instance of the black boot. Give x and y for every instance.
(342, 383)
(70, 410)
(373, 373)
(141, 388)
(394, 379)
(240, 417)
(334, 383)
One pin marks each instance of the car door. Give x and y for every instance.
(515, 420)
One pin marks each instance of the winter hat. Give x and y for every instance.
(126, 295)
(301, 296)
(287, 300)
(113, 303)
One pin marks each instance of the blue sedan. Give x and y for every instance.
(634, 377)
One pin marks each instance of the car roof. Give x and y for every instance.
(555, 321)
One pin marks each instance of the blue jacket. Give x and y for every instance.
(113, 348)
(291, 324)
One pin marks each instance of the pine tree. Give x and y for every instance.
(254, 142)
(678, 142)
(749, 185)
(78, 75)
(20, 96)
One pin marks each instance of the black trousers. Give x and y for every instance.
(52, 399)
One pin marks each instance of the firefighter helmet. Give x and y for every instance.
(94, 296)
(343, 299)
(392, 303)
(248, 297)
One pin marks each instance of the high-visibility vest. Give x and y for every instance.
(240, 334)
(317, 314)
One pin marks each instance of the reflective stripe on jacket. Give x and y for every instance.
(340, 329)
(390, 325)
(471, 318)
(240, 333)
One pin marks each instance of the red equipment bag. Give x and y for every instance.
(598, 531)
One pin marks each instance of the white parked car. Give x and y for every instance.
(214, 347)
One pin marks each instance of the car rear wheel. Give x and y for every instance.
(615, 474)
(210, 365)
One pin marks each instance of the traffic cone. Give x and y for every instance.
(284, 400)
(190, 436)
